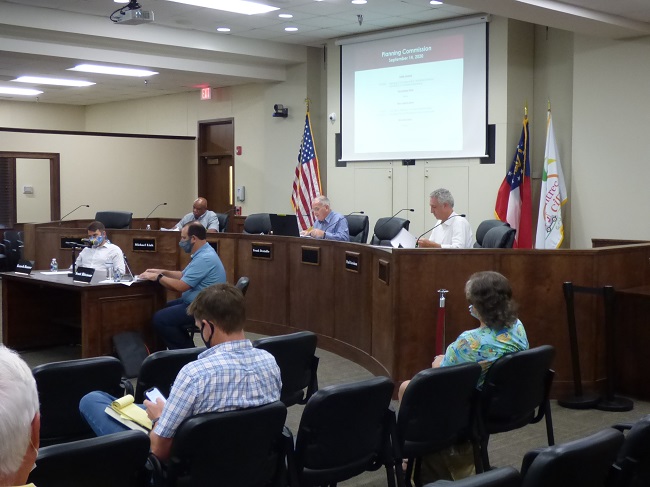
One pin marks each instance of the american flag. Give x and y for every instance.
(306, 184)
(514, 204)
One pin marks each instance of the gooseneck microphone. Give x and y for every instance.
(436, 226)
(374, 234)
(151, 212)
(70, 213)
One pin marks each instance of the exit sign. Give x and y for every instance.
(206, 93)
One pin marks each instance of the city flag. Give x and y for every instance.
(513, 199)
(550, 230)
(306, 183)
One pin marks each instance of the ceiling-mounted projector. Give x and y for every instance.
(132, 14)
(134, 17)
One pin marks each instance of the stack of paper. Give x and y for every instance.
(128, 413)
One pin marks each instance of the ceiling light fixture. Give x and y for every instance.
(6, 90)
(38, 80)
(223, 29)
(235, 6)
(95, 68)
(291, 29)
(285, 16)
(121, 1)
(435, 2)
(359, 2)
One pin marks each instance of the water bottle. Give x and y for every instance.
(117, 275)
(148, 227)
(109, 270)
(54, 265)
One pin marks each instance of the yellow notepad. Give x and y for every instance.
(125, 407)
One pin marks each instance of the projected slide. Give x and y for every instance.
(420, 106)
(415, 94)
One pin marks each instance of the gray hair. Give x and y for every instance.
(323, 200)
(443, 196)
(18, 407)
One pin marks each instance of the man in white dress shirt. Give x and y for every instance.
(452, 231)
(102, 251)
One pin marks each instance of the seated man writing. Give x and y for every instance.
(101, 252)
(230, 375)
(204, 269)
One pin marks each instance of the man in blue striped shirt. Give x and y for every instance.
(229, 375)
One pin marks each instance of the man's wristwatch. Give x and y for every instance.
(160, 276)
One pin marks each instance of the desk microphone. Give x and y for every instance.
(374, 234)
(77, 244)
(68, 214)
(145, 218)
(335, 222)
(436, 226)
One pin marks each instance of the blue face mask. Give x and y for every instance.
(186, 245)
(97, 240)
(473, 313)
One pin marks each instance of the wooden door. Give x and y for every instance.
(216, 163)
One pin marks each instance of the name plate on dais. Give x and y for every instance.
(262, 250)
(83, 274)
(352, 261)
(144, 245)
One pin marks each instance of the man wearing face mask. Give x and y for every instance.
(229, 375)
(205, 269)
(102, 250)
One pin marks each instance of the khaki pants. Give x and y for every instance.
(453, 463)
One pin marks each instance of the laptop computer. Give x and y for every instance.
(286, 225)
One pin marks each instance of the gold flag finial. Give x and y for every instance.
(526, 109)
(548, 104)
(307, 102)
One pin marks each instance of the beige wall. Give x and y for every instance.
(35, 207)
(115, 173)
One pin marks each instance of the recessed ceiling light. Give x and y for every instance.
(37, 80)
(19, 91)
(285, 16)
(235, 6)
(121, 1)
(359, 2)
(435, 2)
(291, 29)
(223, 29)
(94, 68)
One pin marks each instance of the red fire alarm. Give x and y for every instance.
(238, 150)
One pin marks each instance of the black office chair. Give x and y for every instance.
(359, 226)
(224, 218)
(499, 237)
(243, 448)
(13, 244)
(632, 465)
(4, 258)
(437, 411)
(115, 219)
(344, 431)
(161, 368)
(580, 463)
(257, 223)
(516, 393)
(295, 355)
(386, 229)
(498, 477)
(61, 385)
(106, 461)
(483, 228)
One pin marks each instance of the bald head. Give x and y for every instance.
(199, 207)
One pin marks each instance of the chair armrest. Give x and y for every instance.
(622, 427)
(528, 459)
(127, 386)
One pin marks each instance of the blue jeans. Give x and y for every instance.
(92, 407)
(172, 323)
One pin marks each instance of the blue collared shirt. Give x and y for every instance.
(231, 375)
(205, 269)
(335, 226)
